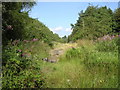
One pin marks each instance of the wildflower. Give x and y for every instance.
(9, 27)
(104, 38)
(19, 50)
(100, 81)
(34, 39)
(26, 55)
(15, 42)
(68, 80)
(23, 54)
(17, 54)
(112, 36)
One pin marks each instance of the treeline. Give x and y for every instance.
(16, 24)
(96, 22)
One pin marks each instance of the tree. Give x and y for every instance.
(14, 19)
(117, 20)
(64, 38)
(93, 23)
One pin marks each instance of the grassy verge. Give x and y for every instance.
(84, 67)
(87, 66)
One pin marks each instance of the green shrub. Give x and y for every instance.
(72, 53)
(13, 64)
(107, 45)
(82, 53)
(20, 69)
(92, 57)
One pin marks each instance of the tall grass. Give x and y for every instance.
(84, 67)
(87, 66)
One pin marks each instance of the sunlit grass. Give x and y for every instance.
(83, 67)
(74, 74)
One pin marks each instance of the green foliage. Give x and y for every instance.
(95, 22)
(73, 53)
(18, 25)
(107, 45)
(22, 59)
(13, 64)
(13, 20)
(83, 67)
(20, 69)
(100, 49)
(81, 53)
(64, 39)
(117, 20)
(25, 41)
(89, 62)
(36, 29)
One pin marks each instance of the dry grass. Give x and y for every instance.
(84, 42)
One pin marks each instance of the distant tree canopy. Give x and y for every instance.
(95, 22)
(16, 23)
(117, 20)
(64, 39)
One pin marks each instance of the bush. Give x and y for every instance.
(82, 53)
(96, 55)
(72, 53)
(107, 45)
(20, 69)
(13, 64)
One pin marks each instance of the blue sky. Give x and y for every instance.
(58, 16)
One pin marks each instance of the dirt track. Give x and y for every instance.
(59, 50)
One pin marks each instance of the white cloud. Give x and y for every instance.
(57, 29)
(61, 31)
(51, 29)
(68, 30)
(61, 35)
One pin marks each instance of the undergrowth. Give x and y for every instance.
(20, 69)
(88, 66)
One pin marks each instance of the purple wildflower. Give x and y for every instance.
(34, 39)
(112, 36)
(23, 54)
(19, 50)
(9, 27)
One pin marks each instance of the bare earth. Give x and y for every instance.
(59, 50)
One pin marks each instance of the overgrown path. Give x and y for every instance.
(59, 49)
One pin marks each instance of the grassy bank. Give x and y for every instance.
(91, 64)
(88, 66)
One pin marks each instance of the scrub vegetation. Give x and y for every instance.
(88, 58)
